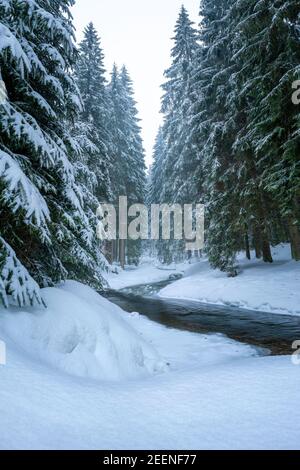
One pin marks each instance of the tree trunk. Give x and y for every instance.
(122, 253)
(264, 236)
(109, 251)
(261, 236)
(267, 254)
(295, 240)
(113, 251)
(257, 243)
(247, 246)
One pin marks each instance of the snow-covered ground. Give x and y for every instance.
(147, 272)
(259, 286)
(83, 374)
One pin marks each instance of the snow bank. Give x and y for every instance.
(149, 271)
(182, 350)
(259, 286)
(81, 334)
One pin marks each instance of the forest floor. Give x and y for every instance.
(259, 286)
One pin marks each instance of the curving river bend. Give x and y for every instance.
(273, 332)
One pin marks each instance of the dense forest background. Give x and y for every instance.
(231, 134)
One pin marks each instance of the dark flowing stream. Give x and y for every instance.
(273, 332)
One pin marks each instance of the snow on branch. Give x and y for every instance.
(9, 42)
(20, 193)
(53, 25)
(16, 284)
(52, 151)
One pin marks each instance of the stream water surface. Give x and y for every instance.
(273, 332)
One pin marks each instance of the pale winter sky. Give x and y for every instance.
(137, 33)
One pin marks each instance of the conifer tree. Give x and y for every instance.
(176, 102)
(117, 120)
(45, 234)
(162, 249)
(224, 226)
(237, 207)
(92, 84)
(232, 139)
(268, 47)
(135, 169)
(172, 150)
(157, 174)
(129, 170)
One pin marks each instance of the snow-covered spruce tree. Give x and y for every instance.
(236, 204)
(91, 262)
(135, 167)
(212, 136)
(44, 230)
(157, 175)
(268, 46)
(175, 103)
(92, 84)
(183, 150)
(257, 211)
(128, 164)
(162, 249)
(178, 155)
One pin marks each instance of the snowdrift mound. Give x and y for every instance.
(82, 334)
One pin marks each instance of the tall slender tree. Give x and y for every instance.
(224, 226)
(175, 103)
(129, 169)
(92, 84)
(173, 154)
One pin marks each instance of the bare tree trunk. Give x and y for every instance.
(267, 254)
(113, 251)
(122, 253)
(117, 246)
(264, 235)
(262, 246)
(261, 235)
(109, 251)
(247, 246)
(295, 240)
(257, 243)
